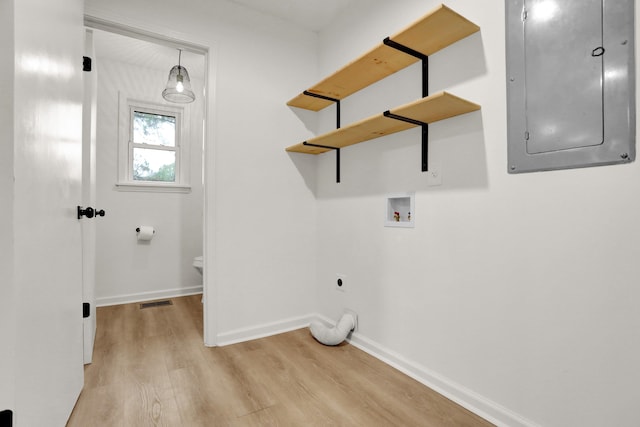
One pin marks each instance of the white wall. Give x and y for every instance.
(512, 291)
(260, 212)
(516, 292)
(128, 270)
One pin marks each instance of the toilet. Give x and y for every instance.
(198, 264)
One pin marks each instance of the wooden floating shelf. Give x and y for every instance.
(436, 107)
(436, 30)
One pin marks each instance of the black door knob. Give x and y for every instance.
(88, 212)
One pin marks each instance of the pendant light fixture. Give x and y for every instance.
(179, 85)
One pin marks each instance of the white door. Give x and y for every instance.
(47, 169)
(89, 197)
(7, 300)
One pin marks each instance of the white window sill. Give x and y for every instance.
(152, 187)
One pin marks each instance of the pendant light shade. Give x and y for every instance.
(179, 85)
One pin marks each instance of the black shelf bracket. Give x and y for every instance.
(337, 101)
(337, 156)
(425, 92)
(425, 136)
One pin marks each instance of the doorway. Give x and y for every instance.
(132, 68)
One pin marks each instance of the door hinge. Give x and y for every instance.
(86, 63)
(524, 14)
(86, 310)
(6, 418)
(526, 135)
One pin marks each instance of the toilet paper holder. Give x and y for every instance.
(138, 230)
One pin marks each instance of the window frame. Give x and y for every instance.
(133, 109)
(125, 181)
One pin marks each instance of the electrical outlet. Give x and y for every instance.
(341, 282)
(434, 175)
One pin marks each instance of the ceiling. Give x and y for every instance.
(312, 15)
(146, 54)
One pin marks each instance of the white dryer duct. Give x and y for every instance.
(337, 334)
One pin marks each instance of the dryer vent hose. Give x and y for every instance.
(335, 335)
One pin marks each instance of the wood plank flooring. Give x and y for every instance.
(151, 369)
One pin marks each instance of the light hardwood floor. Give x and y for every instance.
(151, 369)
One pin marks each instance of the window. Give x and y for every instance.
(152, 148)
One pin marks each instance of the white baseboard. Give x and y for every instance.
(474, 402)
(264, 330)
(147, 296)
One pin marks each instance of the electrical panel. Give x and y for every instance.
(570, 83)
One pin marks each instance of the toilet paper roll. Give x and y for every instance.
(146, 233)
